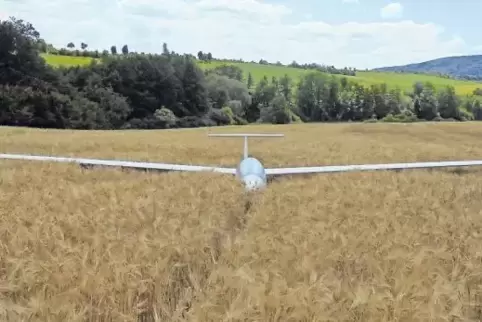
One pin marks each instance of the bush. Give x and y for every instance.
(294, 118)
(193, 121)
(166, 117)
(466, 116)
(229, 113)
(405, 117)
(237, 108)
(240, 121)
(220, 117)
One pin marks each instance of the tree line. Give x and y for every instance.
(208, 57)
(169, 90)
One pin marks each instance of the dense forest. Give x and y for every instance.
(167, 90)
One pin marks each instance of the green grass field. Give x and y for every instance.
(402, 81)
(67, 61)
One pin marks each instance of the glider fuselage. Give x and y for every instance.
(252, 173)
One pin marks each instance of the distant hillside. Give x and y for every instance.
(403, 81)
(462, 67)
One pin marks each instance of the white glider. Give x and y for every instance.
(250, 170)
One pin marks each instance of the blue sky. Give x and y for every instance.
(355, 33)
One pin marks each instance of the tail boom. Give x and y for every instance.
(246, 136)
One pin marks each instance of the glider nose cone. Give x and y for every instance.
(253, 183)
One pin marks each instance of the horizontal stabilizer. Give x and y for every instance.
(249, 135)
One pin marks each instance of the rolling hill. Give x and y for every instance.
(403, 81)
(462, 67)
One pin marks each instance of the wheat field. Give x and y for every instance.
(111, 245)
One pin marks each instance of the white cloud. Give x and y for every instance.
(248, 29)
(245, 7)
(350, 1)
(392, 10)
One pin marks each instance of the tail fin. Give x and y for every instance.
(246, 135)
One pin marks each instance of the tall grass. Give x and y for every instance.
(109, 245)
